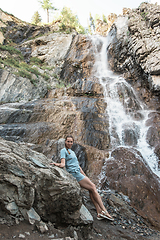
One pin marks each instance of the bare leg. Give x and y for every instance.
(98, 209)
(95, 197)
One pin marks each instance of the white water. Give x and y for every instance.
(127, 115)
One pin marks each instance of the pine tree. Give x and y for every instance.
(47, 5)
(92, 24)
(69, 21)
(36, 18)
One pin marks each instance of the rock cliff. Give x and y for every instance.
(134, 48)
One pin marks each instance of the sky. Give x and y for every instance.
(25, 9)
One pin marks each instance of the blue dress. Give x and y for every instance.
(71, 163)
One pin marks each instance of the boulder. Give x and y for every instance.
(32, 188)
(127, 172)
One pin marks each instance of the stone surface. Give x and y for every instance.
(127, 172)
(51, 49)
(134, 48)
(1, 38)
(15, 89)
(32, 189)
(41, 116)
(102, 27)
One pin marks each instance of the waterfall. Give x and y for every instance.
(127, 114)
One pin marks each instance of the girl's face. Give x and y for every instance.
(69, 142)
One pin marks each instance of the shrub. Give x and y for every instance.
(35, 60)
(45, 76)
(10, 49)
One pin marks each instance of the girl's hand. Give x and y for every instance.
(53, 163)
(61, 165)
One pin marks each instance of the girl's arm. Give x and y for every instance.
(61, 165)
(82, 171)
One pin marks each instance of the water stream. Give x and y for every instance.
(127, 115)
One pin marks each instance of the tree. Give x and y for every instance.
(47, 5)
(36, 18)
(104, 18)
(69, 21)
(92, 24)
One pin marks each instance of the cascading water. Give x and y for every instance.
(127, 115)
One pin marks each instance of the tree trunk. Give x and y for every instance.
(47, 15)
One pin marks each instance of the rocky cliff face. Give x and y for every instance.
(135, 48)
(77, 103)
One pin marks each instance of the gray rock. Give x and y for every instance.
(51, 49)
(12, 208)
(49, 192)
(134, 44)
(21, 235)
(85, 215)
(14, 88)
(42, 227)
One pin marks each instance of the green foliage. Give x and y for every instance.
(91, 24)
(35, 61)
(47, 67)
(23, 69)
(144, 14)
(45, 76)
(97, 16)
(104, 18)
(60, 85)
(12, 62)
(36, 18)
(30, 69)
(47, 5)
(23, 73)
(69, 21)
(10, 49)
(49, 87)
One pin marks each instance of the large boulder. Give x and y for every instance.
(127, 172)
(32, 188)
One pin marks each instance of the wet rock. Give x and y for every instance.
(85, 87)
(153, 124)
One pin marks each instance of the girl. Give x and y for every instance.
(70, 161)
